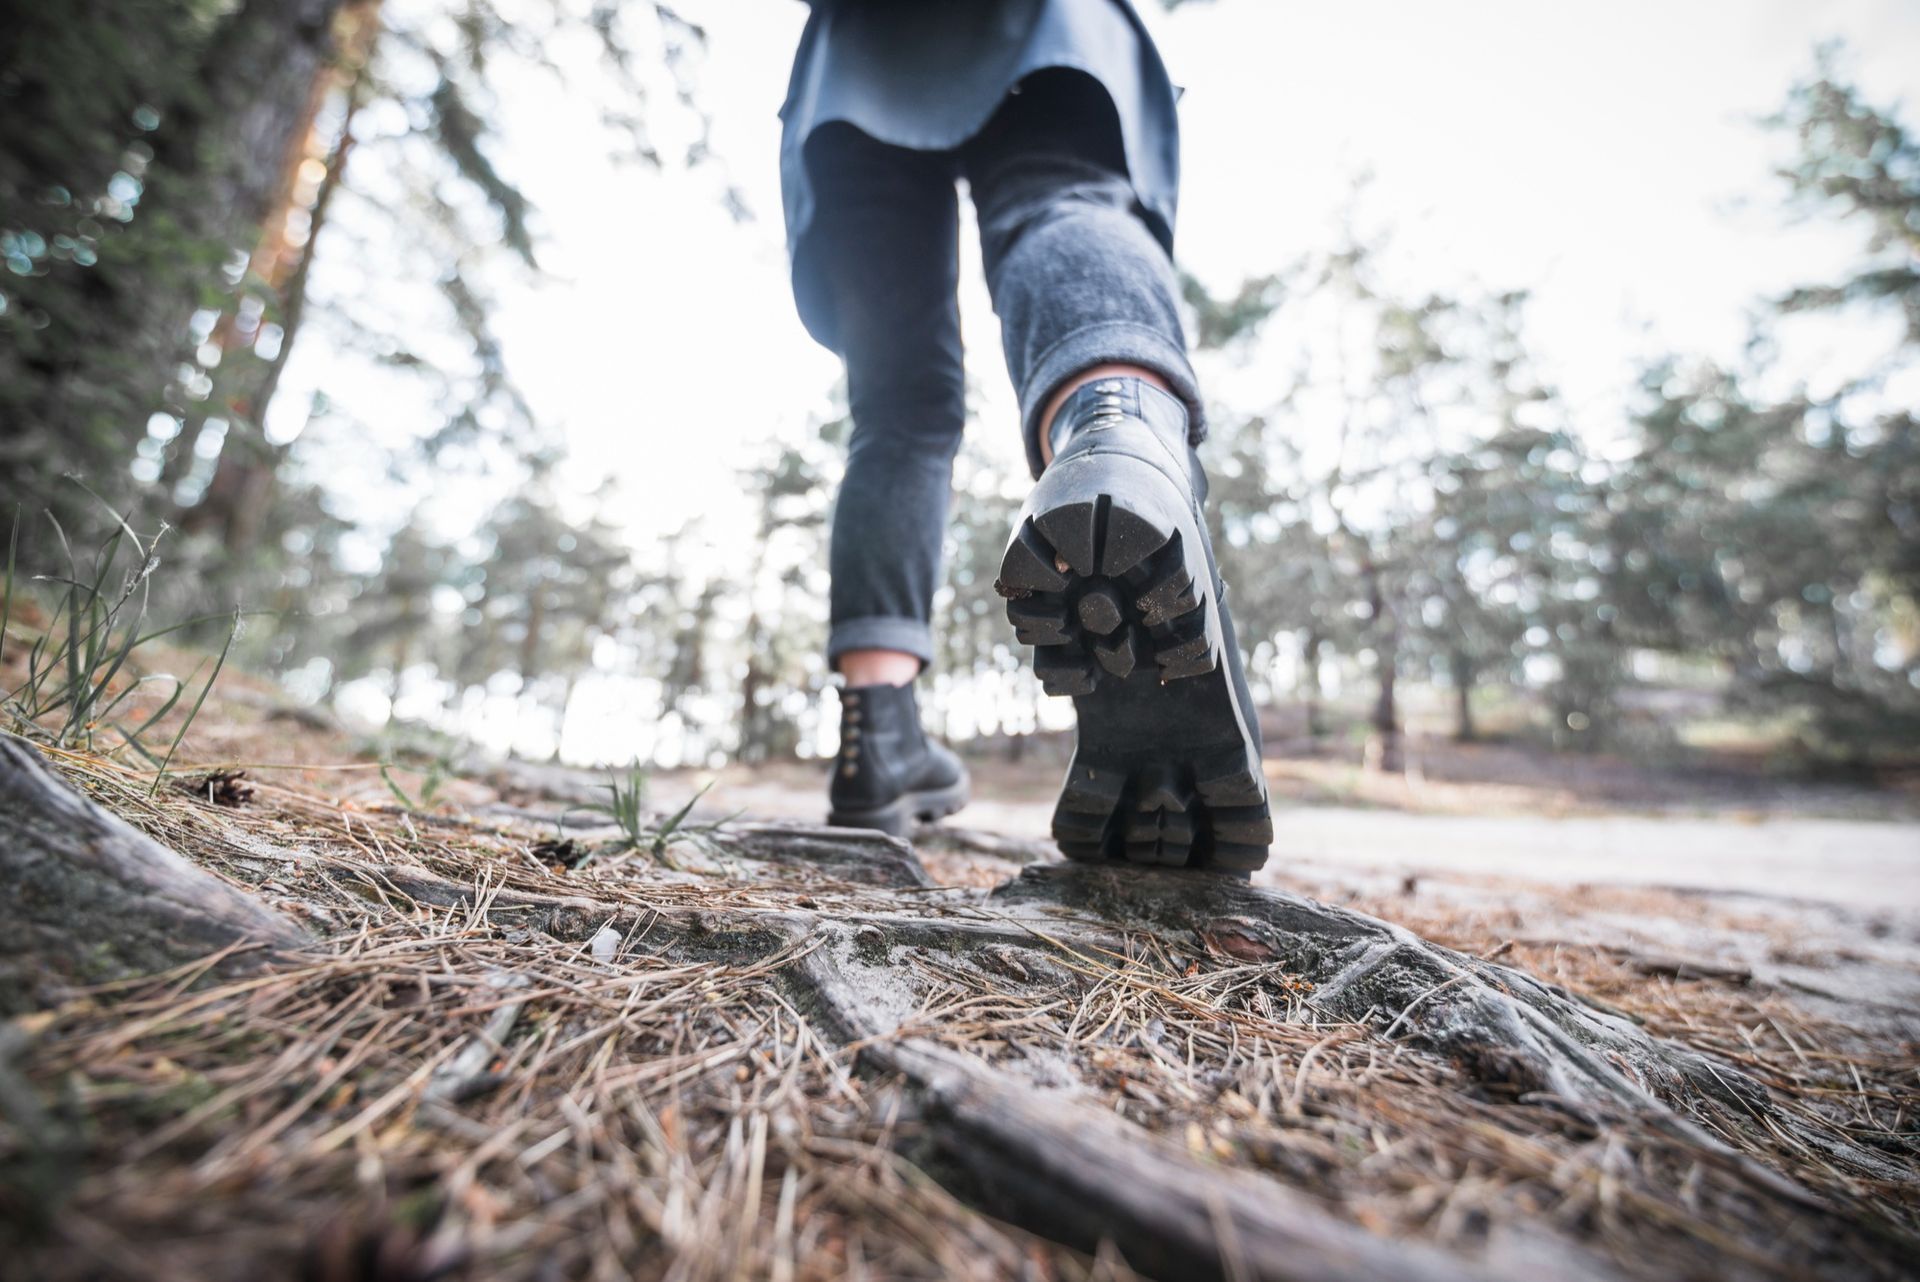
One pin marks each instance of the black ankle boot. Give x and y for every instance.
(888, 773)
(1110, 576)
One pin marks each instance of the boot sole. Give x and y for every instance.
(1107, 577)
(897, 817)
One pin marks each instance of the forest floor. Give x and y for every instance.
(524, 1046)
(1809, 886)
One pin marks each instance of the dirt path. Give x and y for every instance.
(1866, 866)
(1869, 866)
(1827, 909)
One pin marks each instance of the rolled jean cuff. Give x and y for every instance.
(1108, 343)
(879, 632)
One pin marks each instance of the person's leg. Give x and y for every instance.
(1081, 286)
(887, 227)
(886, 235)
(1109, 574)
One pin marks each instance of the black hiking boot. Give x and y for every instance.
(1110, 576)
(889, 774)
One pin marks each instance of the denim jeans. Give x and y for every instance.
(1077, 280)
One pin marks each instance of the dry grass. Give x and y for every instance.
(434, 1089)
(441, 1090)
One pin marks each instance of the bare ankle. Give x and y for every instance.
(877, 667)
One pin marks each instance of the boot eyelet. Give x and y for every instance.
(849, 771)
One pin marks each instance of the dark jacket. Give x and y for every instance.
(926, 74)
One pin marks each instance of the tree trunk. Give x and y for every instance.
(119, 335)
(1310, 683)
(753, 727)
(530, 640)
(1461, 669)
(1384, 747)
(241, 493)
(85, 898)
(221, 158)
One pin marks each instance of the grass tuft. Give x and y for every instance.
(626, 805)
(80, 691)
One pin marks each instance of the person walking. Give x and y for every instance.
(1059, 116)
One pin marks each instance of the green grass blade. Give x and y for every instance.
(399, 793)
(717, 824)
(131, 637)
(99, 614)
(48, 699)
(666, 830)
(197, 703)
(198, 619)
(106, 709)
(179, 688)
(71, 608)
(118, 519)
(35, 675)
(6, 608)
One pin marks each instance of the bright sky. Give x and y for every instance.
(1598, 155)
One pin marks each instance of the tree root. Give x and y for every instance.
(85, 898)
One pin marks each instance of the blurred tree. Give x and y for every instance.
(1781, 535)
(1859, 163)
(544, 587)
(395, 620)
(227, 483)
(1279, 567)
(1270, 521)
(973, 647)
(1501, 564)
(161, 215)
(1777, 538)
(151, 160)
(669, 634)
(1445, 532)
(785, 589)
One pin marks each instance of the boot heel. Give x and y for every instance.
(1107, 572)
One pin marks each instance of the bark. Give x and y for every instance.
(530, 668)
(1090, 1177)
(257, 78)
(240, 496)
(753, 720)
(86, 899)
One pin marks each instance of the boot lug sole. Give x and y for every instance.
(1108, 576)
